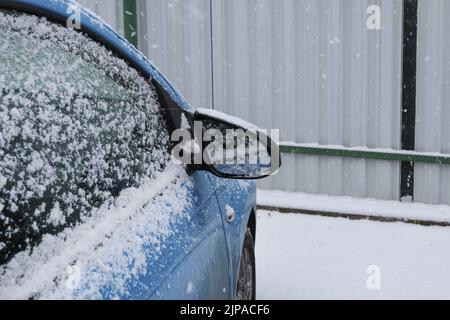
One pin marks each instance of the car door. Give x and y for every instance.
(194, 261)
(104, 213)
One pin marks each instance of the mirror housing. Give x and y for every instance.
(229, 147)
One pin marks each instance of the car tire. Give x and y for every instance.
(246, 284)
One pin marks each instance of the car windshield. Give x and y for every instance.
(77, 126)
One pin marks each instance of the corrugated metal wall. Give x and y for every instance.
(110, 10)
(432, 183)
(176, 36)
(312, 69)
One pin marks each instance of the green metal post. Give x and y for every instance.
(130, 21)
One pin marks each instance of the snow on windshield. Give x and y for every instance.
(83, 139)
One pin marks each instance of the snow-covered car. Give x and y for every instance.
(92, 203)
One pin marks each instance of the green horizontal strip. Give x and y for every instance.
(130, 21)
(367, 154)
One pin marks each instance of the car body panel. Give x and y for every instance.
(200, 260)
(190, 257)
(238, 196)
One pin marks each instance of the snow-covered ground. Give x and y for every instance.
(354, 206)
(313, 257)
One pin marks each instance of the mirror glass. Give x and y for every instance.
(237, 152)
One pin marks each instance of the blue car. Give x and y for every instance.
(97, 198)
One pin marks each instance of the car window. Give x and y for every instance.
(77, 126)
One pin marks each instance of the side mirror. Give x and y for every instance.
(232, 148)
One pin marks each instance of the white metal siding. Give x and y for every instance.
(313, 69)
(432, 183)
(109, 10)
(175, 35)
